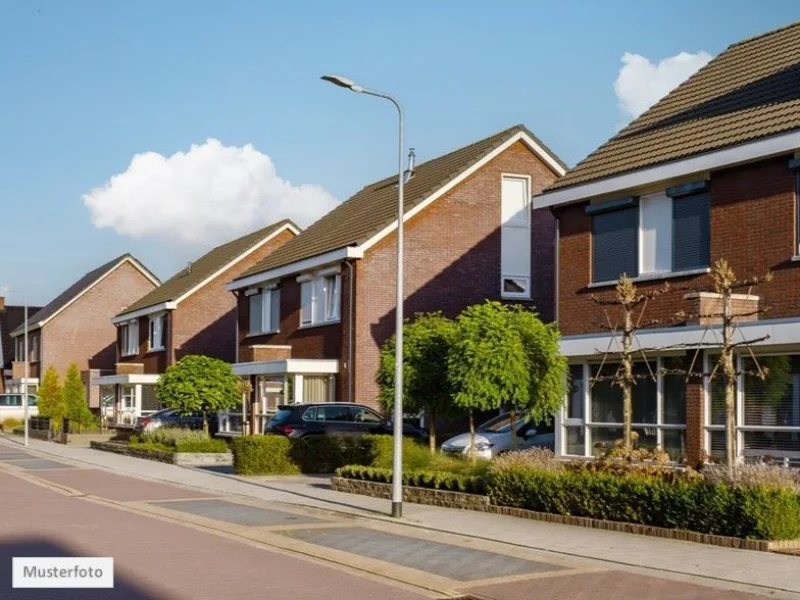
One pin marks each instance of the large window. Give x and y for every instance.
(265, 311)
(667, 232)
(320, 299)
(515, 249)
(156, 337)
(33, 348)
(129, 338)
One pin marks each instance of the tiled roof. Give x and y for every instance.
(373, 208)
(75, 289)
(204, 267)
(750, 91)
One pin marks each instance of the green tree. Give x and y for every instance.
(51, 399)
(548, 369)
(426, 347)
(199, 384)
(74, 392)
(488, 365)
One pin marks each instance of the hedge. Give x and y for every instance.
(751, 512)
(263, 455)
(437, 480)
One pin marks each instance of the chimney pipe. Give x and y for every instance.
(409, 172)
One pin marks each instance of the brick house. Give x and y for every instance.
(11, 317)
(75, 326)
(709, 172)
(313, 315)
(190, 313)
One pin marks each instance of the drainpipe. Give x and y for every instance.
(350, 304)
(555, 266)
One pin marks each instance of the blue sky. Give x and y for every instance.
(87, 85)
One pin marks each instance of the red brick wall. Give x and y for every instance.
(452, 260)
(83, 332)
(752, 227)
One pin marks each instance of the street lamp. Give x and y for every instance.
(397, 463)
(27, 364)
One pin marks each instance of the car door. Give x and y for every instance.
(367, 421)
(333, 419)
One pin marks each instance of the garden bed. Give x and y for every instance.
(184, 459)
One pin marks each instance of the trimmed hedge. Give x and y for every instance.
(263, 455)
(210, 446)
(750, 512)
(437, 480)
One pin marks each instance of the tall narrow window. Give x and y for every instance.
(655, 221)
(615, 244)
(515, 234)
(256, 304)
(331, 297)
(129, 338)
(156, 337)
(264, 311)
(691, 232)
(306, 301)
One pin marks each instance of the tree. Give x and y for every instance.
(548, 369)
(199, 384)
(426, 347)
(74, 392)
(51, 399)
(488, 365)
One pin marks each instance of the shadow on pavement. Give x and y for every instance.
(40, 547)
(224, 469)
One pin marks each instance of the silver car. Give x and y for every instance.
(494, 437)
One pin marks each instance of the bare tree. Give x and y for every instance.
(628, 299)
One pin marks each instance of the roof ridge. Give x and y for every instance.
(764, 34)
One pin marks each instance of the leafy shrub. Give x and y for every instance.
(263, 455)
(171, 435)
(209, 445)
(10, 423)
(753, 475)
(535, 458)
(437, 480)
(417, 457)
(326, 453)
(684, 502)
(150, 446)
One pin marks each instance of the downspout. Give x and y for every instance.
(350, 304)
(556, 239)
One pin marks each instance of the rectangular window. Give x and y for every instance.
(33, 348)
(320, 299)
(128, 393)
(615, 244)
(575, 408)
(156, 337)
(655, 216)
(690, 232)
(129, 338)
(515, 237)
(265, 311)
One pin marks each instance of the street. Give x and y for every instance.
(172, 542)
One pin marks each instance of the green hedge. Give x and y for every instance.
(263, 455)
(211, 446)
(753, 512)
(437, 480)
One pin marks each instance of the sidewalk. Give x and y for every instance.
(669, 559)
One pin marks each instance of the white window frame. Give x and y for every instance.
(155, 327)
(316, 310)
(130, 339)
(266, 293)
(524, 278)
(645, 269)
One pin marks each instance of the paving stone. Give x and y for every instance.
(39, 463)
(239, 514)
(4, 456)
(446, 560)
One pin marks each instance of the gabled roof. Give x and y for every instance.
(208, 266)
(749, 92)
(11, 317)
(374, 208)
(77, 289)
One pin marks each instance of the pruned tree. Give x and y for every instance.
(632, 306)
(427, 341)
(199, 384)
(725, 284)
(77, 410)
(488, 365)
(51, 399)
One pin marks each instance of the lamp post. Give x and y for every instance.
(397, 462)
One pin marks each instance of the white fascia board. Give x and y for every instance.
(130, 379)
(239, 258)
(705, 162)
(780, 332)
(288, 366)
(143, 312)
(299, 266)
(409, 214)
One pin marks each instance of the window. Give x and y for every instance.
(365, 415)
(667, 232)
(329, 413)
(129, 338)
(515, 242)
(317, 388)
(128, 393)
(156, 338)
(265, 311)
(33, 348)
(320, 299)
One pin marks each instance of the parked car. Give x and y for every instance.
(170, 417)
(11, 406)
(336, 418)
(494, 437)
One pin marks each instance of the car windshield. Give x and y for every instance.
(500, 424)
(281, 416)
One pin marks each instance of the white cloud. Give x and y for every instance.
(202, 197)
(641, 83)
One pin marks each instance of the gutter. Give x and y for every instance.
(556, 256)
(350, 303)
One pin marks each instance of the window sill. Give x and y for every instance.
(130, 355)
(654, 277)
(155, 350)
(323, 324)
(796, 258)
(526, 297)
(261, 334)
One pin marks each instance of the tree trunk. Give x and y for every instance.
(729, 378)
(627, 381)
(472, 455)
(432, 430)
(512, 416)
(205, 423)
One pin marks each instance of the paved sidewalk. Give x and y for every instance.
(669, 559)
